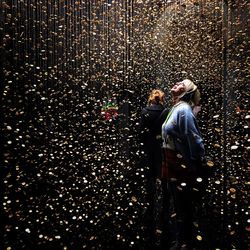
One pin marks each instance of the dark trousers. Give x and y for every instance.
(187, 202)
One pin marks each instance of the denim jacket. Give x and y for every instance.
(180, 131)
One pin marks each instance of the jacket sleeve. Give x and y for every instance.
(190, 133)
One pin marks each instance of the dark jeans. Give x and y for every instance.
(187, 201)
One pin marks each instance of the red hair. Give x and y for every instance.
(156, 96)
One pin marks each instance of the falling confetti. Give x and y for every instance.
(75, 76)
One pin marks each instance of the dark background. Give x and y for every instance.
(70, 179)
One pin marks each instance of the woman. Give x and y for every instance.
(151, 121)
(183, 154)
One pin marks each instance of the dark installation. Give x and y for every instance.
(74, 76)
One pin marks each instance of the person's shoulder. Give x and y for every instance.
(165, 111)
(144, 110)
(184, 107)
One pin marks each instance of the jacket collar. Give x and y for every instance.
(155, 107)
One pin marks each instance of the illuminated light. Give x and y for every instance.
(173, 215)
(173, 179)
(199, 179)
(196, 224)
(179, 155)
(74, 54)
(232, 190)
(134, 199)
(199, 238)
(210, 163)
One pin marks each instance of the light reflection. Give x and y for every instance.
(63, 161)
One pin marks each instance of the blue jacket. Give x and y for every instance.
(181, 128)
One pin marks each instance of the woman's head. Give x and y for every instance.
(156, 97)
(187, 91)
(184, 87)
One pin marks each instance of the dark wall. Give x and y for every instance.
(70, 177)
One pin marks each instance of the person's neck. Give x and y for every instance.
(176, 99)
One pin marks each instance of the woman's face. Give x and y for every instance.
(178, 89)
